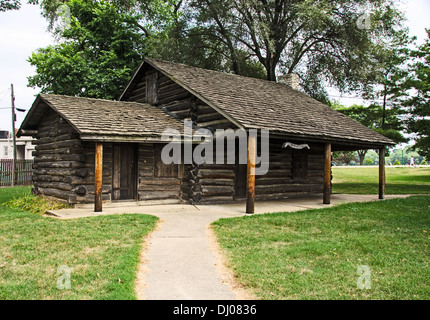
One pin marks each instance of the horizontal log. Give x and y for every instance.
(50, 178)
(168, 86)
(181, 114)
(32, 133)
(160, 182)
(64, 157)
(66, 195)
(89, 180)
(67, 150)
(59, 144)
(139, 85)
(178, 92)
(177, 105)
(178, 97)
(203, 109)
(215, 174)
(271, 196)
(145, 195)
(208, 117)
(217, 190)
(215, 199)
(288, 188)
(67, 172)
(217, 182)
(140, 90)
(63, 137)
(58, 164)
(54, 129)
(54, 185)
(138, 97)
(161, 188)
(106, 188)
(89, 198)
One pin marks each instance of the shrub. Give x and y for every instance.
(396, 163)
(368, 162)
(35, 204)
(424, 162)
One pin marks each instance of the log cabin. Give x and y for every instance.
(95, 150)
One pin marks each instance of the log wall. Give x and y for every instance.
(208, 183)
(63, 164)
(176, 101)
(153, 184)
(280, 182)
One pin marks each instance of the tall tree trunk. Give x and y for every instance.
(270, 66)
(361, 155)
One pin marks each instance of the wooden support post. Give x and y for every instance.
(381, 173)
(250, 182)
(98, 177)
(327, 174)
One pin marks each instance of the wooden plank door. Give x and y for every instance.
(124, 183)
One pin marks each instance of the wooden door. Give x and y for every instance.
(124, 183)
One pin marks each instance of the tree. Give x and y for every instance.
(319, 40)
(385, 81)
(9, 5)
(372, 117)
(98, 52)
(343, 157)
(323, 41)
(418, 101)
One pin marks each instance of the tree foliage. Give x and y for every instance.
(320, 40)
(6, 5)
(323, 41)
(386, 122)
(418, 100)
(98, 52)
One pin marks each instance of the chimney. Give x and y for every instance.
(290, 79)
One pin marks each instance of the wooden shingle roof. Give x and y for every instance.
(261, 104)
(98, 119)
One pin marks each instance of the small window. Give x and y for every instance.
(5, 151)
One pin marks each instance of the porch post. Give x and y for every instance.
(381, 173)
(327, 174)
(98, 177)
(250, 181)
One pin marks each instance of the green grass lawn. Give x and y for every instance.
(101, 253)
(364, 180)
(315, 254)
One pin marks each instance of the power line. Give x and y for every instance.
(4, 93)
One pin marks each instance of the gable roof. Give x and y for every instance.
(254, 103)
(98, 119)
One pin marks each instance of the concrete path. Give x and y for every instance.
(179, 261)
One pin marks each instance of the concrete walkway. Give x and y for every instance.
(179, 260)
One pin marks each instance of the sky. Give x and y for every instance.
(24, 31)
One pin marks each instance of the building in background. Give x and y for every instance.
(24, 147)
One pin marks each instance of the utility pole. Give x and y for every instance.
(13, 134)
